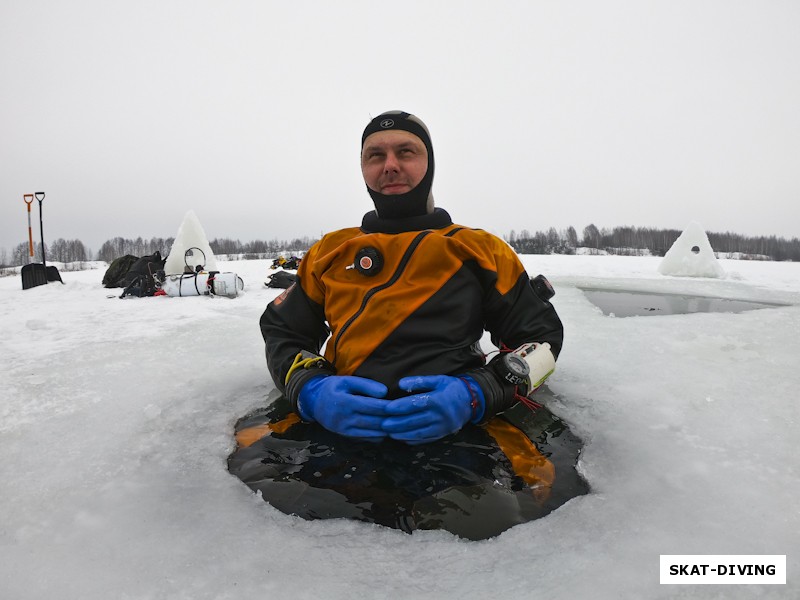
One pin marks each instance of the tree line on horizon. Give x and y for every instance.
(70, 251)
(60, 250)
(619, 240)
(234, 249)
(644, 240)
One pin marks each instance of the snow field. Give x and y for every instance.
(116, 420)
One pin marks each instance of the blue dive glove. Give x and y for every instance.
(442, 406)
(345, 404)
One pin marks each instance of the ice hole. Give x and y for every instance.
(620, 303)
(475, 483)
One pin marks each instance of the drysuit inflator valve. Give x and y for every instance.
(527, 367)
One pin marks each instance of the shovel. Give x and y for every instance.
(28, 198)
(35, 274)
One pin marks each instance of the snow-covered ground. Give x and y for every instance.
(116, 420)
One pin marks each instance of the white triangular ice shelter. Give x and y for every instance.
(190, 248)
(691, 255)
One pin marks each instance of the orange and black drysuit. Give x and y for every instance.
(401, 297)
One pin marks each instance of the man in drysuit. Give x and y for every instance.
(403, 301)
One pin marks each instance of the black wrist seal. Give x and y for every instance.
(499, 395)
(314, 367)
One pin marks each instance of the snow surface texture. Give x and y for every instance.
(691, 255)
(190, 236)
(117, 415)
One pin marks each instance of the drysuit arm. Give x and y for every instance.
(293, 324)
(523, 315)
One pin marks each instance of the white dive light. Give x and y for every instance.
(527, 367)
(540, 360)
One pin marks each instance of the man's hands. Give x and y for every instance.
(344, 404)
(353, 406)
(441, 406)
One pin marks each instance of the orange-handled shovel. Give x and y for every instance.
(29, 200)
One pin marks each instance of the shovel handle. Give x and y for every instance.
(40, 196)
(28, 198)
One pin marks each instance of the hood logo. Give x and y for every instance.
(386, 123)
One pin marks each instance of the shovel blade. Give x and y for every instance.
(53, 274)
(33, 275)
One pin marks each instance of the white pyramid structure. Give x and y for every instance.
(190, 237)
(691, 255)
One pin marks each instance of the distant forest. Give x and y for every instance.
(234, 249)
(645, 240)
(619, 240)
(71, 251)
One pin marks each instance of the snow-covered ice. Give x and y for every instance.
(116, 421)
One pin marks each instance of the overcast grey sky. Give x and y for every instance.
(542, 113)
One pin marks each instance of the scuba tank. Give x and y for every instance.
(196, 281)
(203, 283)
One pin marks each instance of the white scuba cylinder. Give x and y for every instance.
(203, 283)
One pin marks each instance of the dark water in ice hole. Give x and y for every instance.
(476, 483)
(643, 304)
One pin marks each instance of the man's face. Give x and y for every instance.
(393, 161)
